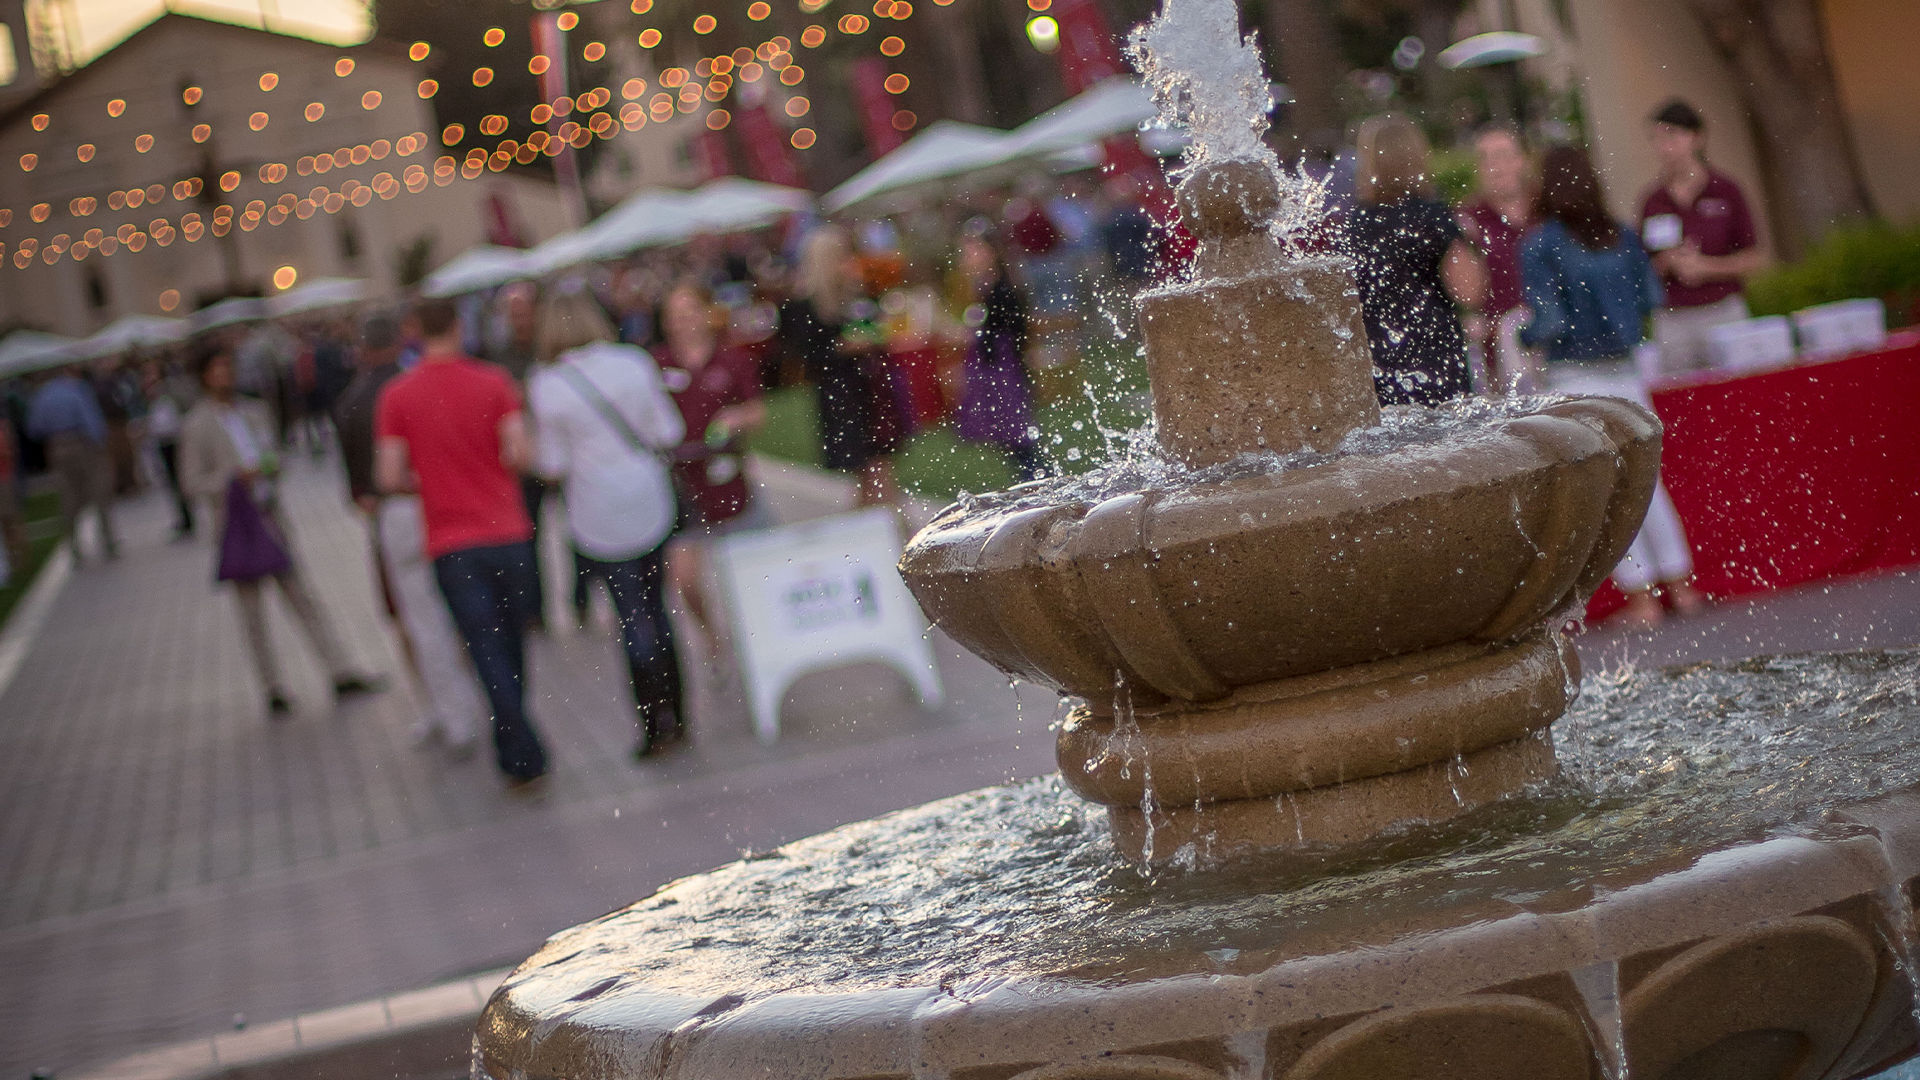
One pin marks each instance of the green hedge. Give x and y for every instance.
(1877, 260)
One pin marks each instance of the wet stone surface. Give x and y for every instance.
(1022, 880)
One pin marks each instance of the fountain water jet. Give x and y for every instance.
(1317, 660)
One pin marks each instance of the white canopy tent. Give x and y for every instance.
(660, 216)
(945, 150)
(132, 332)
(483, 267)
(1116, 106)
(232, 311)
(319, 295)
(26, 351)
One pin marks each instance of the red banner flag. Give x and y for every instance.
(768, 155)
(1088, 51)
(869, 78)
(710, 153)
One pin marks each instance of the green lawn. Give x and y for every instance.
(43, 535)
(1105, 389)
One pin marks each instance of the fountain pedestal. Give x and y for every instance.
(1278, 651)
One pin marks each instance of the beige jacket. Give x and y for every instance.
(208, 460)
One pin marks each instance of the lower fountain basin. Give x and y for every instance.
(1190, 591)
(1721, 887)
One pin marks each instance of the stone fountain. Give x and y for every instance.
(1316, 660)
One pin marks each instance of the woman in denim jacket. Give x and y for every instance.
(1591, 289)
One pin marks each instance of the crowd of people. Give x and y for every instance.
(630, 392)
(1531, 284)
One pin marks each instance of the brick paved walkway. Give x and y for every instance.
(169, 859)
(225, 863)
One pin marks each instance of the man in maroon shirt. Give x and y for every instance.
(452, 429)
(1696, 225)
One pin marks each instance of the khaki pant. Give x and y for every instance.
(82, 471)
(251, 596)
(456, 707)
(1681, 333)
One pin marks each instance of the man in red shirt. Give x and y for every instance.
(452, 430)
(1696, 226)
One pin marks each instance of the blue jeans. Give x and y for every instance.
(638, 586)
(490, 593)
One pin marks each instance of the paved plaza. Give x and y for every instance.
(172, 860)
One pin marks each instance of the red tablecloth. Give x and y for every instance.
(1794, 475)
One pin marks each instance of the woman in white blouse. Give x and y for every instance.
(602, 423)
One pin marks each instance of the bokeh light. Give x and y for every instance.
(315, 111)
(802, 138)
(649, 38)
(539, 65)
(593, 52)
(428, 88)
(567, 20)
(892, 46)
(758, 10)
(269, 81)
(705, 24)
(202, 132)
(494, 37)
(1044, 33)
(257, 121)
(797, 106)
(896, 83)
(370, 100)
(343, 67)
(792, 75)
(116, 106)
(420, 50)
(169, 299)
(28, 162)
(482, 76)
(41, 120)
(284, 277)
(854, 24)
(641, 7)
(813, 36)
(718, 119)
(143, 143)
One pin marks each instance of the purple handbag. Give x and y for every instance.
(252, 547)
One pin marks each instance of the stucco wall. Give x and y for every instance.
(1875, 45)
(1634, 55)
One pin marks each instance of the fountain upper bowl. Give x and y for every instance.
(1187, 592)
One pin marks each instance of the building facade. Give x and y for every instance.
(200, 159)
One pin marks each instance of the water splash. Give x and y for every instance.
(1020, 880)
(1207, 77)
